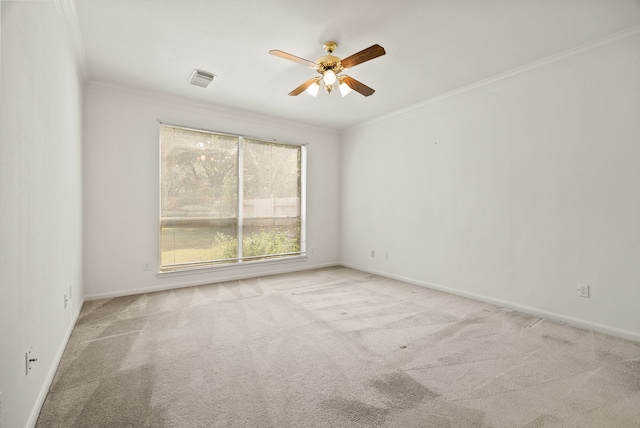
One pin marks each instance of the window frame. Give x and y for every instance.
(222, 264)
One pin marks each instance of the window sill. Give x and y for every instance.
(233, 266)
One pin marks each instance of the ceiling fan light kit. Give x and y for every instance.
(344, 89)
(330, 67)
(335, 81)
(313, 88)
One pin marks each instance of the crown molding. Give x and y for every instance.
(68, 14)
(618, 42)
(120, 91)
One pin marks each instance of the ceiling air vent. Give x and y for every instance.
(201, 78)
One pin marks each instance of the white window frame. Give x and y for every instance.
(240, 262)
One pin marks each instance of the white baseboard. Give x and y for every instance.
(35, 412)
(575, 322)
(183, 284)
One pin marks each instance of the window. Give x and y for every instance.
(228, 199)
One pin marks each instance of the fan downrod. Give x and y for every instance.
(330, 46)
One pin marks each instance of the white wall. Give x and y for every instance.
(121, 192)
(40, 203)
(515, 191)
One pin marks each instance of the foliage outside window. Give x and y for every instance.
(228, 199)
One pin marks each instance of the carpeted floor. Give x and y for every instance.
(334, 347)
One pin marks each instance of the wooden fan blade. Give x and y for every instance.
(294, 58)
(358, 86)
(364, 55)
(300, 89)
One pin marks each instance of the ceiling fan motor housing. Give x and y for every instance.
(329, 62)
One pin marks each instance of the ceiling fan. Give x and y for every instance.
(330, 67)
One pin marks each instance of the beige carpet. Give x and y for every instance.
(334, 348)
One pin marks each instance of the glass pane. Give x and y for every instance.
(264, 237)
(271, 204)
(199, 196)
(198, 241)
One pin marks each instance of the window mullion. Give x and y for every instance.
(240, 195)
(303, 199)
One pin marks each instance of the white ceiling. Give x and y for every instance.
(433, 47)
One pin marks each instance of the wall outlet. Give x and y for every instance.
(145, 266)
(373, 253)
(66, 300)
(28, 360)
(386, 256)
(583, 291)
